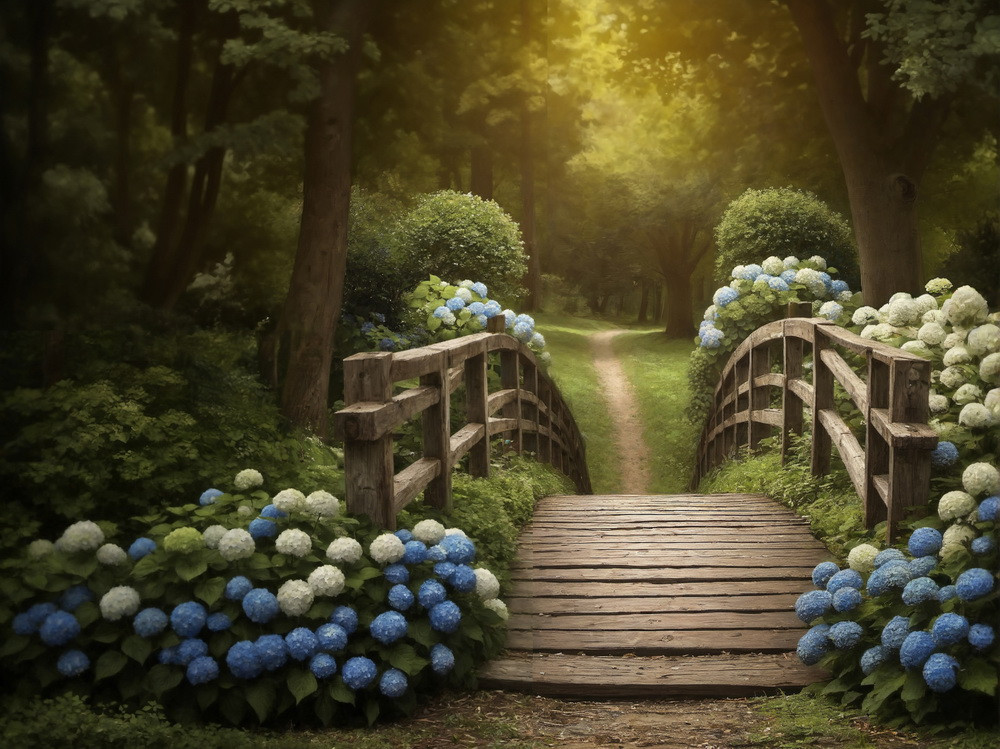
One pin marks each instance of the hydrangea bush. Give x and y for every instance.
(249, 604)
(922, 618)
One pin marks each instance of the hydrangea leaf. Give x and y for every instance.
(357, 579)
(162, 678)
(977, 675)
(420, 631)
(207, 694)
(233, 706)
(301, 683)
(137, 648)
(320, 610)
(87, 613)
(13, 645)
(915, 686)
(340, 693)
(261, 696)
(471, 629)
(188, 568)
(371, 711)
(405, 658)
(210, 589)
(109, 664)
(146, 566)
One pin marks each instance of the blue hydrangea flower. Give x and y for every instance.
(710, 337)
(400, 597)
(218, 622)
(273, 513)
(477, 308)
(845, 635)
(244, 661)
(989, 509)
(150, 622)
(888, 555)
(404, 535)
(262, 528)
(72, 663)
(208, 497)
(949, 629)
(272, 651)
(813, 645)
(437, 553)
(202, 670)
(509, 317)
(23, 625)
(748, 272)
(302, 643)
(981, 636)
(479, 288)
(367, 327)
(459, 549)
(323, 666)
(922, 566)
(260, 605)
(463, 579)
(396, 573)
(188, 618)
(924, 541)
(39, 612)
(844, 579)
(379, 317)
(388, 627)
(346, 617)
(822, 573)
(838, 286)
(455, 303)
(481, 319)
(778, 283)
(430, 593)
(414, 552)
(492, 308)
(725, 296)
(916, 648)
(189, 649)
(788, 276)
(522, 331)
(444, 570)
(974, 583)
(944, 455)
(445, 616)
(940, 672)
(920, 590)
(393, 683)
(74, 597)
(331, 637)
(441, 312)
(59, 628)
(888, 576)
(947, 593)
(813, 604)
(874, 657)
(168, 656)
(387, 344)
(846, 599)
(238, 587)
(982, 545)
(358, 672)
(895, 631)
(827, 279)
(442, 659)
(140, 548)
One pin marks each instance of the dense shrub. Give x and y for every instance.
(977, 260)
(455, 235)
(783, 221)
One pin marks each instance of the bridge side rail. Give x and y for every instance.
(528, 407)
(890, 472)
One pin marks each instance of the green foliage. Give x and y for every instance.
(455, 235)
(978, 248)
(783, 221)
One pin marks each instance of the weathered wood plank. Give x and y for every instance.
(412, 480)
(666, 574)
(689, 642)
(781, 602)
(851, 453)
(463, 440)
(678, 560)
(728, 589)
(854, 385)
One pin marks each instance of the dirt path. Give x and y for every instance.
(633, 453)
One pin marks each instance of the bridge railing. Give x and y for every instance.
(891, 469)
(528, 406)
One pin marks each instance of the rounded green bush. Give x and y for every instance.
(459, 236)
(783, 221)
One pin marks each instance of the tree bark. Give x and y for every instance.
(533, 278)
(315, 293)
(679, 322)
(644, 301)
(481, 177)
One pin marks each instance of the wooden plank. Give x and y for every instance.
(733, 589)
(501, 398)
(802, 390)
(435, 426)
(559, 607)
(477, 412)
(679, 559)
(464, 439)
(903, 434)
(591, 676)
(653, 526)
(758, 545)
(854, 385)
(369, 420)
(368, 466)
(666, 574)
(689, 642)
(409, 482)
(847, 446)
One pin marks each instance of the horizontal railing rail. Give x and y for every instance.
(528, 409)
(890, 470)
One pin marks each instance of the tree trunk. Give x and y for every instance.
(679, 305)
(644, 301)
(533, 278)
(481, 178)
(315, 293)
(657, 303)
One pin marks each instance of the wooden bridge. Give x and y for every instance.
(647, 595)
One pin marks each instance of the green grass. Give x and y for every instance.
(567, 339)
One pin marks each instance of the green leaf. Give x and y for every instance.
(433, 323)
(301, 683)
(13, 645)
(357, 579)
(137, 648)
(206, 695)
(233, 706)
(405, 658)
(420, 631)
(371, 711)
(109, 664)
(341, 693)
(261, 695)
(977, 675)
(146, 566)
(471, 629)
(162, 678)
(210, 589)
(914, 688)
(189, 568)
(87, 613)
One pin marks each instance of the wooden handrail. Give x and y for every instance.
(890, 471)
(532, 413)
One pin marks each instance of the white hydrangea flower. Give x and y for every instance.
(40, 547)
(900, 295)
(84, 535)
(213, 534)
(386, 549)
(429, 531)
(938, 286)
(938, 403)
(466, 284)
(236, 544)
(710, 312)
(326, 580)
(903, 311)
(845, 296)
(992, 402)
(989, 368)
(293, 542)
(295, 597)
(464, 294)
(818, 261)
(884, 331)
(322, 504)
(952, 377)
(455, 532)
(487, 585)
(932, 333)
(934, 315)
(916, 347)
(111, 555)
(955, 504)
(448, 318)
(344, 551)
(119, 602)
(956, 538)
(966, 307)
(925, 303)
(956, 355)
(790, 262)
(248, 478)
(967, 393)
(981, 479)
(811, 280)
(773, 266)
(955, 338)
(975, 416)
(289, 500)
(245, 511)
(498, 607)
(545, 357)
(862, 558)
(737, 271)
(984, 339)
(830, 310)
(868, 332)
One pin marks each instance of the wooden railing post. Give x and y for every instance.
(760, 397)
(822, 398)
(477, 412)
(510, 379)
(368, 479)
(544, 420)
(529, 371)
(909, 468)
(791, 404)
(436, 428)
(876, 447)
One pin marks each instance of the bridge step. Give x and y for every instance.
(686, 595)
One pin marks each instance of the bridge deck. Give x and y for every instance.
(657, 595)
